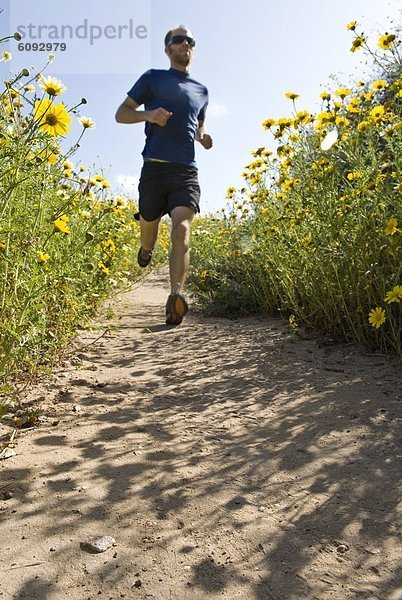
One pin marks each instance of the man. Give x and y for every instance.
(174, 114)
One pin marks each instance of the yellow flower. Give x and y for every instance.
(68, 165)
(357, 43)
(351, 26)
(353, 106)
(103, 268)
(6, 56)
(354, 175)
(52, 158)
(52, 86)
(53, 119)
(380, 84)
(325, 96)
(60, 224)
(261, 151)
(395, 295)
(323, 119)
(377, 113)
(43, 257)
(284, 123)
(386, 41)
(342, 92)
(303, 116)
(284, 150)
(342, 121)
(87, 123)
(377, 317)
(230, 192)
(292, 95)
(391, 227)
(109, 245)
(293, 322)
(268, 123)
(368, 96)
(288, 185)
(363, 126)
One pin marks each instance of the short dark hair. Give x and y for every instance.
(169, 33)
(167, 37)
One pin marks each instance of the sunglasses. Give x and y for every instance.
(179, 39)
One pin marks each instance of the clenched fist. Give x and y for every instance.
(205, 140)
(159, 116)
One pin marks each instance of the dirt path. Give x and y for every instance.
(228, 459)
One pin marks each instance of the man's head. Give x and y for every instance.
(179, 45)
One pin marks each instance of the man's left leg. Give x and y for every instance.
(176, 306)
(182, 217)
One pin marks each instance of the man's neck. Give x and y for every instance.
(182, 68)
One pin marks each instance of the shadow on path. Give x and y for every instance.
(227, 458)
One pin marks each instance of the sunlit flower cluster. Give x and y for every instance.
(315, 228)
(65, 237)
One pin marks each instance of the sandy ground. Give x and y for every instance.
(228, 459)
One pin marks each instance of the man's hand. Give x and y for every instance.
(159, 116)
(128, 113)
(205, 140)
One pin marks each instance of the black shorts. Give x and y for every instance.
(163, 186)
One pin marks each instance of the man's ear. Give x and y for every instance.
(167, 51)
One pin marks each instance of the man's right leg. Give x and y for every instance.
(148, 236)
(151, 207)
(149, 233)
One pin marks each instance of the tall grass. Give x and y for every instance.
(65, 240)
(315, 232)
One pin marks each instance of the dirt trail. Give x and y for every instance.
(228, 459)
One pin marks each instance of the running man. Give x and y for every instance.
(174, 116)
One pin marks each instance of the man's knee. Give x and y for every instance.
(181, 234)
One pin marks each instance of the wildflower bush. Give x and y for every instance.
(65, 240)
(315, 232)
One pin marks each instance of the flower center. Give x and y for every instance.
(51, 120)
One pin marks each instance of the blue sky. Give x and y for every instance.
(248, 54)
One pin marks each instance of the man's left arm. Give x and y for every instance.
(202, 136)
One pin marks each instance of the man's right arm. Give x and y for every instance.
(127, 113)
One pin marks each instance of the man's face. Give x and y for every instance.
(181, 53)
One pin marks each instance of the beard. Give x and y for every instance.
(182, 57)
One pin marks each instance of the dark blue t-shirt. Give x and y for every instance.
(187, 99)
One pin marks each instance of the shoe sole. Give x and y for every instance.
(176, 309)
(143, 262)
